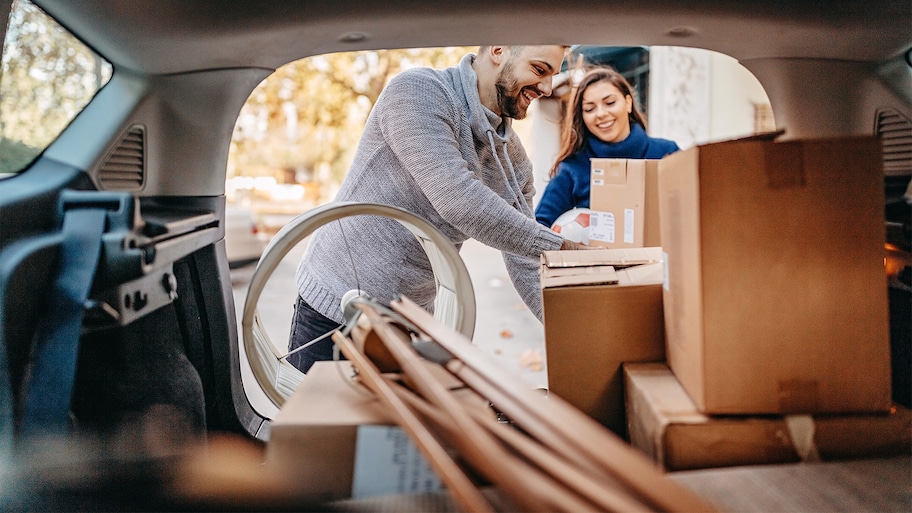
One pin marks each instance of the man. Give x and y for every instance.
(439, 144)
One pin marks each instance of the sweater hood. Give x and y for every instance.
(481, 119)
(496, 130)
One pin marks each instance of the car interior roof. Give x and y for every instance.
(176, 36)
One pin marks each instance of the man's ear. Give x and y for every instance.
(498, 54)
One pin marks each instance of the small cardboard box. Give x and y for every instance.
(665, 424)
(775, 296)
(596, 317)
(338, 441)
(624, 199)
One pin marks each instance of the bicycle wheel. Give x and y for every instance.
(454, 304)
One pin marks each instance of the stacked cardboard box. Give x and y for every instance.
(602, 308)
(624, 202)
(666, 424)
(775, 307)
(338, 441)
(775, 298)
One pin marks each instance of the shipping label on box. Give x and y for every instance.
(665, 424)
(774, 297)
(592, 328)
(624, 203)
(386, 461)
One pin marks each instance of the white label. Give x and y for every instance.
(665, 270)
(598, 182)
(628, 225)
(601, 226)
(387, 462)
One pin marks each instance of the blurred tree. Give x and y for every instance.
(303, 122)
(309, 114)
(46, 77)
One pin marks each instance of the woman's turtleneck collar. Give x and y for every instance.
(634, 146)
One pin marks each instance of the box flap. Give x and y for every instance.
(613, 257)
(770, 136)
(646, 274)
(663, 393)
(577, 271)
(763, 136)
(329, 396)
(590, 275)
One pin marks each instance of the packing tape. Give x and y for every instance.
(801, 431)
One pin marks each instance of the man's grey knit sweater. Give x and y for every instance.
(429, 147)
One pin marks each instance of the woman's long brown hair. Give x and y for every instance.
(574, 131)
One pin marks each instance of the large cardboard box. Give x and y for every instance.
(623, 195)
(665, 424)
(338, 441)
(775, 296)
(601, 308)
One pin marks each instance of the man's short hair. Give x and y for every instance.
(484, 48)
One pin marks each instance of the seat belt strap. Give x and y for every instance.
(49, 385)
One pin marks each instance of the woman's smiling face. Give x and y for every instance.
(606, 112)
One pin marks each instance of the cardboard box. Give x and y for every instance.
(665, 424)
(775, 296)
(337, 440)
(593, 325)
(624, 199)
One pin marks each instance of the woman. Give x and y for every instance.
(602, 121)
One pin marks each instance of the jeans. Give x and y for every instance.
(307, 325)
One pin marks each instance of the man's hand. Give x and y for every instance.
(569, 244)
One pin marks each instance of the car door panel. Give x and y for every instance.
(162, 272)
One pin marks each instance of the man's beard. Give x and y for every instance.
(508, 94)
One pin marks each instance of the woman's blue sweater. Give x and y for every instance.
(570, 187)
